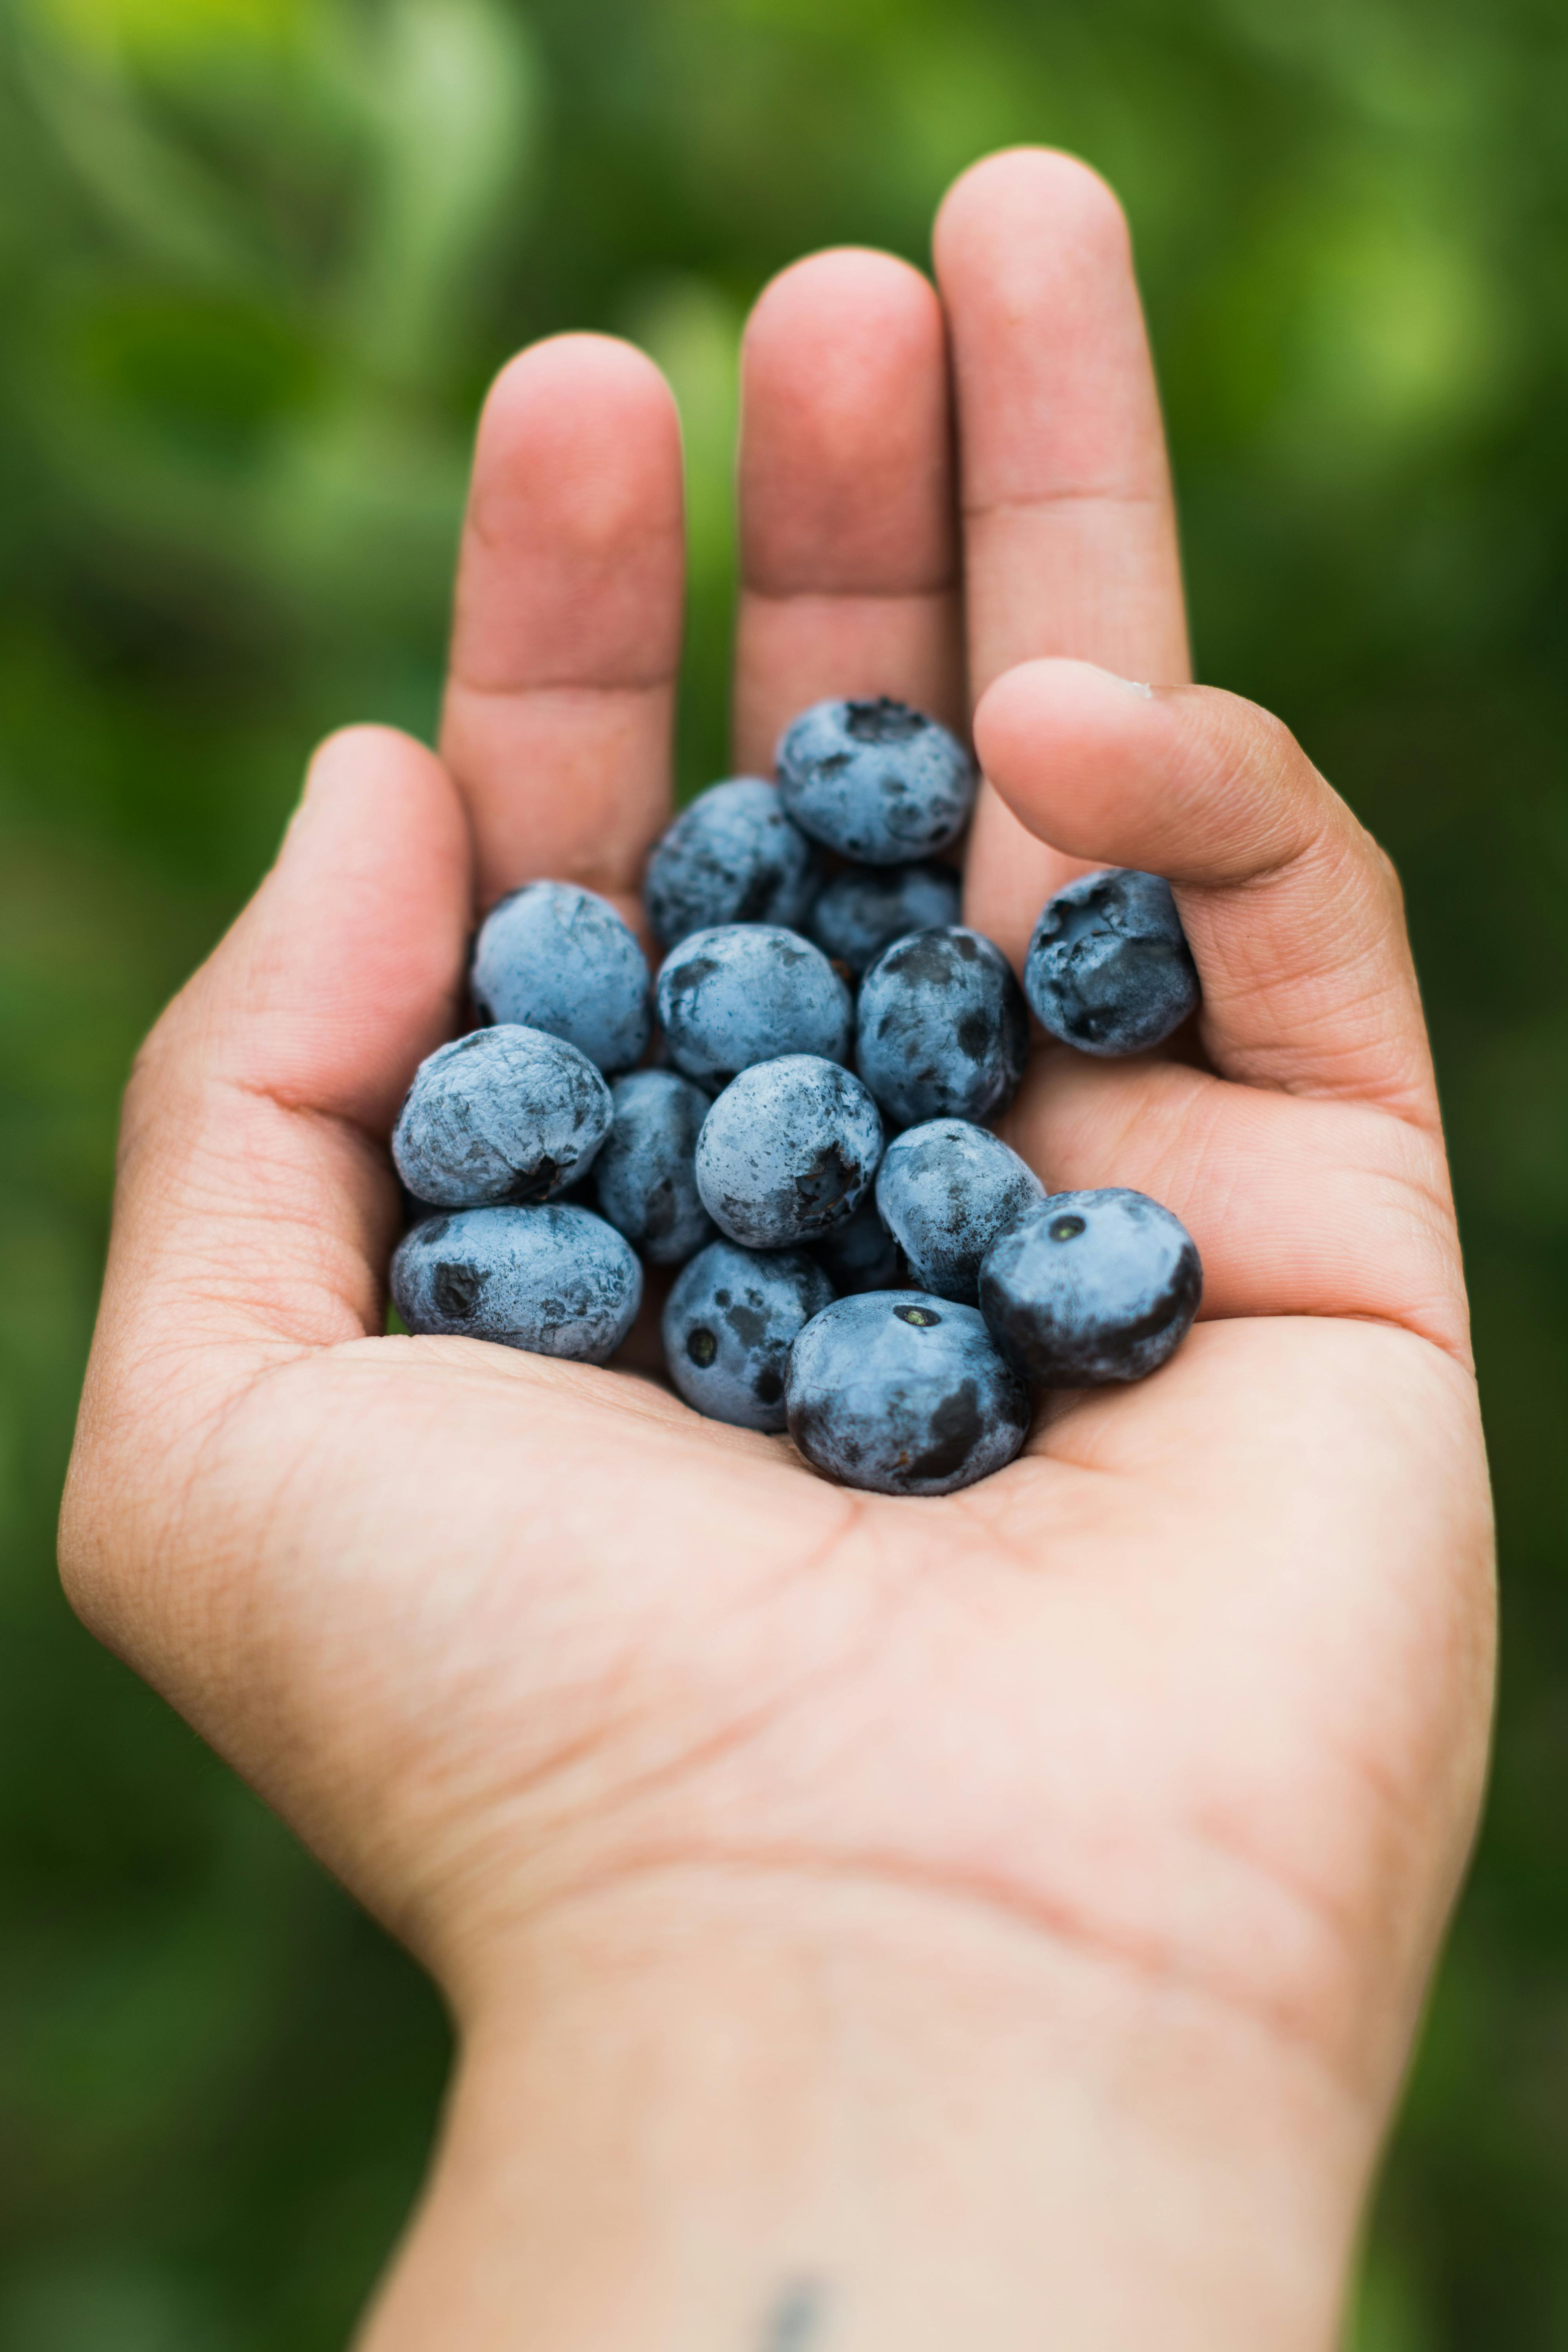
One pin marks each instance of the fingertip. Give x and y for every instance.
(604, 371)
(347, 966)
(1045, 712)
(844, 446)
(1016, 188)
(1057, 398)
(373, 786)
(578, 449)
(1187, 780)
(350, 756)
(567, 622)
(853, 286)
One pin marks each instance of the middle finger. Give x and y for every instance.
(848, 543)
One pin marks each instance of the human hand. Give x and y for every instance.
(999, 1919)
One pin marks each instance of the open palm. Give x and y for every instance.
(1191, 1701)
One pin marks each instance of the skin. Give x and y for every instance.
(867, 1923)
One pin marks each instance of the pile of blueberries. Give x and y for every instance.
(862, 1260)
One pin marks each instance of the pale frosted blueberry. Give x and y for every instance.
(503, 1115)
(555, 1281)
(940, 1029)
(728, 1328)
(903, 1394)
(1093, 1286)
(748, 992)
(732, 857)
(1109, 969)
(875, 780)
(645, 1177)
(788, 1152)
(866, 907)
(555, 957)
(945, 1191)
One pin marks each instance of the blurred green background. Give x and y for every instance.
(257, 258)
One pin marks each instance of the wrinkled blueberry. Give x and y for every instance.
(866, 907)
(728, 1326)
(941, 1031)
(558, 958)
(903, 1394)
(862, 1254)
(555, 1281)
(1109, 969)
(875, 781)
(788, 1152)
(645, 1178)
(1093, 1286)
(748, 992)
(506, 1114)
(732, 857)
(945, 1191)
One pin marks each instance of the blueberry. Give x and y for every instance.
(733, 856)
(1109, 969)
(941, 1029)
(748, 992)
(558, 958)
(728, 1326)
(866, 907)
(645, 1178)
(945, 1191)
(506, 1114)
(903, 1394)
(875, 781)
(1093, 1286)
(862, 1254)
(559, 1281)
(788, 1152)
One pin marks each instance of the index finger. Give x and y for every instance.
(1069, 520)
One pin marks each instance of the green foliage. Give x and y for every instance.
(257, 258)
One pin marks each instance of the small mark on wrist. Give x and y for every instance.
(794, 2323)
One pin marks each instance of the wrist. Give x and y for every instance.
(751, 2118)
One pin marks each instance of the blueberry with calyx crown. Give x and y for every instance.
(875, 780)
(1092, 1287)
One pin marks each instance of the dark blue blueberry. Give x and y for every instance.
(945, 1191)
(941, 1031)
(645, 1177)
(788, 1152)
(558, 958)
(1109, 969)
(733, 856)
(555, 1281)
(728, 1324)
(876, 781)
(866, 907)
(1093, 1286)
(748, 992)
(903, 1394)
(861, 1255)
(505, 1115)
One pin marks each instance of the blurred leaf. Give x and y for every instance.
(451, 90)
